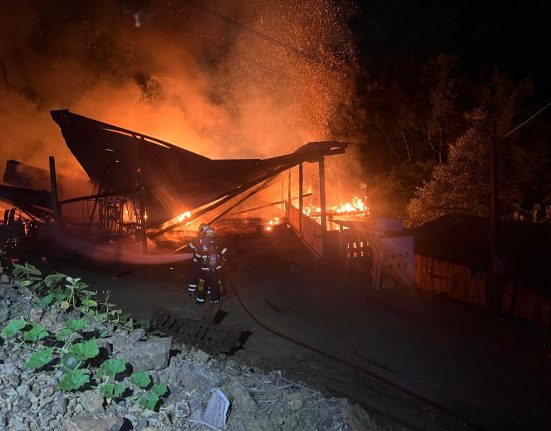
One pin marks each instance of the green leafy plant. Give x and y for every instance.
(160, 389)
(74, 355)
(73, 380)
(112, 367)
(13, 327)
(39, 359)
(148, 400)
(85, 350)
(141, 379)
(112, 390)
(37, 332)
(76, 324)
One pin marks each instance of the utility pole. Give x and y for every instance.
(493, 296)
(53, 187)
(300, 198)
(323, 206)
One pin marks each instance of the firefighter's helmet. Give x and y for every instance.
(203, 227)
(210, 233)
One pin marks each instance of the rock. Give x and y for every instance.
(52, 319)
(148, 355)
(23, 390)
(199, 356)
(358, 419)
(104, 344)
(36, 314)
(142, 424)
(136, 335)
(48, 391)
(164, 420)
(242, 401)
(110, 422)
(91, 401)
(60, 405)
(4, 278)
(24, 404)
(45, 401)
(181, 409)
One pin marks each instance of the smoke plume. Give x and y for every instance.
(173, 70)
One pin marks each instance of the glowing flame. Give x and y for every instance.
(183, 216)
(356, 207)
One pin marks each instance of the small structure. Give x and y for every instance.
(452, 257)
(381, 246)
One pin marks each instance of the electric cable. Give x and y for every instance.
(258, 64)
(528, 120)
(267, 38)
(352, 365)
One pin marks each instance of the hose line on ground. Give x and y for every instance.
(352, 365)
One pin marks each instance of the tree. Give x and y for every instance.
(462, 185)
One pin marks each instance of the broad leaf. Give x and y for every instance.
(85, 350)
(59, 295)
(63, 334)
(111, 390)
(160, 390)
(111, 367)
(46, 300)
(141, 379)
(40, 358)
(37, 332)
(13, 327)
(148, 401)
(76, 324)
(89, 303)
(52, 279)
(73, 380)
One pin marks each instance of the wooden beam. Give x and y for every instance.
(323, 204)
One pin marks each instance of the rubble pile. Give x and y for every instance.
(204, 392)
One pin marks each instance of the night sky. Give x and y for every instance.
(511, 35)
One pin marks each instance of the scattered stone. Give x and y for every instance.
(148, 355)
(36, 314)
(24, 404)
(110, 422)
(164, 419)
(198, 355)
(91, 401)
(181, 409)
(4, 278)
(23, 390)
(60, 405)
(48, 391)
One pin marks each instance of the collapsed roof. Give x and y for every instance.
(174, 179)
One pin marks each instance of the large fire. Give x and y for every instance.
(357, 207)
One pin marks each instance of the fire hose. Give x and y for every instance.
(352, 365)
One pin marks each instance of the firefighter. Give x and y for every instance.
(211, 265)
(196, 246)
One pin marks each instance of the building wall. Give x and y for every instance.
(457, 281)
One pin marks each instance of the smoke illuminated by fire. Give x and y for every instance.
(182, 75)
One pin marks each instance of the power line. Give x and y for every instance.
(268, 38)
(256, 63)
(529, 119)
